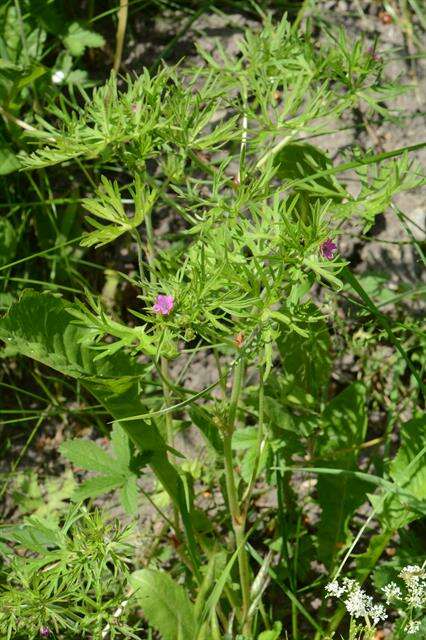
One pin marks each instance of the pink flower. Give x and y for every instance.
(45, 632)
(328, 249)
(163, 304)
(374, 55)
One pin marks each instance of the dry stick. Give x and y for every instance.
(121, 32)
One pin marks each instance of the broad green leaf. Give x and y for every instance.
(408, 471)
(344, 427)
(78, 38)
(88, 455)
(300, 160)
(165, 604)
(94, 487)
(30, 75)
(41, 327)
(116, 471)
(121, 446)
(308, 360)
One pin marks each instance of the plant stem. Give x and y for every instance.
(169, 426)
(260, 445)
(234, 507)
(274, 150)
(121, 32)
(166, 393)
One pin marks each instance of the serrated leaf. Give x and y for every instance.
(165, 604)
(94, 487)
(88, 455)
(116, 471)
(78, 38)
(41, 327)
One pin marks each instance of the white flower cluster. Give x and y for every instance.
(360, 605)
(392, 592)
(357, 602)
(415, 581)
(413, 626)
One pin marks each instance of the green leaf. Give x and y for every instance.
(408, 471)
(272, 634)
(204, 421)
(78, 38)
(165, 604)
(349, 277)
(88, 455)
(121, 446)
(9, 162)
(345, 423)
(8, 240)
(129, 495)
(116, 471)
(109, 207)
(30, 75)
(248, 440)
(300, 160)
(41, 327)
(94, 487)
(308, 360)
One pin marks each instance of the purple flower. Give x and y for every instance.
(163, 304)
(44, 632)
(328, 249)
(374, 55)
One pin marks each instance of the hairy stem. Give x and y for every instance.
(169, 426)
(234, 507)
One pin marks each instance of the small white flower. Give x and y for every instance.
(377, 613)
(416, 596)
(415, 581)
(349, 584)
(411, 572)
(391, 591)
(413, 626)
(58, 76)
(358, 603)
(334, 589)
